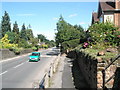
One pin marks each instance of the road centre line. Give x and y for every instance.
(4, 72)
(18, 65)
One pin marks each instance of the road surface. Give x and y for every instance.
(20, 73)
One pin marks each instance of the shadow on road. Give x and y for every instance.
(52, 53)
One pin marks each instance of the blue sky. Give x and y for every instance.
(43, 16)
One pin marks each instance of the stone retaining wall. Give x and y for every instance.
(92, 68)
(116, 84)
(88, 66)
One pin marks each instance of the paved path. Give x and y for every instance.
(68, 75)
(63, 77)
(67, 79)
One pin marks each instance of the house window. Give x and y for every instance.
(109, 18)
(101, 19)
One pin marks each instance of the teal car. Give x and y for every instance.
(35, 56)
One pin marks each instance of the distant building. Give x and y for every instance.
(95, 17)
(108, 10)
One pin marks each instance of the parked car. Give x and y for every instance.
(35, 56)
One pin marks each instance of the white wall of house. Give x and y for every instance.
(109, 17)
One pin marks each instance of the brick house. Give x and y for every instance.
(108, 10)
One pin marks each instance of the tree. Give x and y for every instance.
(34, 41)
(23, 33)
(41, 37)
(0, 31)
(11, 36)
(5, 24)
(61, 34)
(15, 28)
(66, 31)
(29, 34)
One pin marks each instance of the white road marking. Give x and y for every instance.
(18, 65)
(3, 72)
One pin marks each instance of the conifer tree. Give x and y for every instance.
(29, 33)
(5, 24)
(15, 28)
(23, 34)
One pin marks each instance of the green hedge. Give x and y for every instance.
(70, 44)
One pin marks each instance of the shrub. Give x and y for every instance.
(5, 43)
(44, 46)
(104, 32)
(23, 43)
(70, 44)
(0, 44)
(17, 51)
(35, 48)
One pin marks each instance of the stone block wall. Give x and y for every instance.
(92, 67)
(116, 84)
(6, 53)
(88, 66)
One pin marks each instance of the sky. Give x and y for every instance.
(43, 16)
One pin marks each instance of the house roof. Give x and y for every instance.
(106, 5)
(94, 17)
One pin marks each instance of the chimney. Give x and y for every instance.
(117, 4)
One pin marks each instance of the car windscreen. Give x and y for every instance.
(35, 54)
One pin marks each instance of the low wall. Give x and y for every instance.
(116, 84)
(6, 53)
(92, 67)
(88, 66)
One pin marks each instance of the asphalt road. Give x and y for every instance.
(20, 73)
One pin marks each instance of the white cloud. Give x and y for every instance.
(82, 23)
(55, 18)
(27, 14)
(72, 15)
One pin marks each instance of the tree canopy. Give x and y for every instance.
(66, 31)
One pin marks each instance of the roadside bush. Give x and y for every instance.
(67, 45)
(104, 33)
(17, 51)
(29, 46)
(44, 46)
(5, 43)
(35, 48)
(0, 44)
(23, 43)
